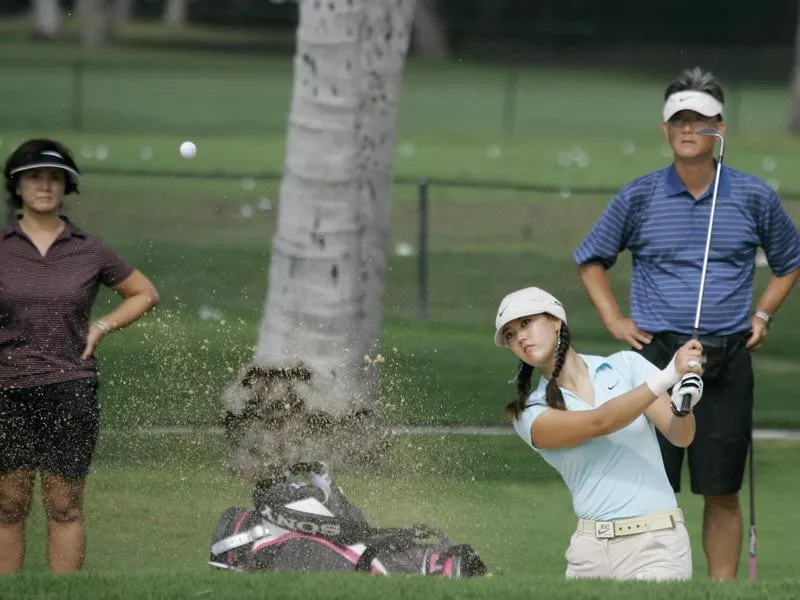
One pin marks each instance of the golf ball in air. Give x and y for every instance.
(188, 149)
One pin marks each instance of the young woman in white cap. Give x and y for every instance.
(593, 419)
(50, 273)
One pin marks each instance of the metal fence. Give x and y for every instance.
(252, 96)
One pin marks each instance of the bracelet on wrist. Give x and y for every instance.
(103, 326)
(766, 317)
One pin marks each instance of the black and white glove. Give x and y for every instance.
(686, 394)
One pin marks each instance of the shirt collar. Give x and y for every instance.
(69, 231)
(593, 364)
(674, 186)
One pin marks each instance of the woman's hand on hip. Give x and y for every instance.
(93, 338)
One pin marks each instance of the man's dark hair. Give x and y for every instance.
(698, 80)
(27, 153)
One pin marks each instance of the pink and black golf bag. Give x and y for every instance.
(298, 526)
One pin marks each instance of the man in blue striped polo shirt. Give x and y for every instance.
(662, 219)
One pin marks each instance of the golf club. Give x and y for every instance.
(708, 131)
(752, 541)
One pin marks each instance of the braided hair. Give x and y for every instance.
(554, 397)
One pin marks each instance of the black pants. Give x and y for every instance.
(50, 427)
(724, 416)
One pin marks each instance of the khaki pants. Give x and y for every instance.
(651, 555)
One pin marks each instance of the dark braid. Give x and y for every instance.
(524, 374)
(555, 399)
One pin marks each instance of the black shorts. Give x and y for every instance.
(50, 427)
(724, 416)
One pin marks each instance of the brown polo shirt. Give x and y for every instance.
(46, 303)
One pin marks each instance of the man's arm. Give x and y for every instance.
(598, 286)
(777, 291)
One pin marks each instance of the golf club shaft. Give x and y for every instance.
(752, 546)
(686, 402)
(708, 240)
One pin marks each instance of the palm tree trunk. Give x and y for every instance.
(97, 22)
(47, 19)
(430, 37)
(794, 91)
(175, 12)
(313, 386)
(123, 10)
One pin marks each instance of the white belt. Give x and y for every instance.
(632, 526)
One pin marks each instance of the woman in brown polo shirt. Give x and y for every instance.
(50, 273)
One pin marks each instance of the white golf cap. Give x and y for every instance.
(695, 100)
(522, 303)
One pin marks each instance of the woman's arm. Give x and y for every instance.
(678, 430)
(562, 428)
(555, 429)
(139, 295)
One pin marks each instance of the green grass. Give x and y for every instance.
(153, 501)
(190, 237)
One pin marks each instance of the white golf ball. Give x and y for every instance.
(188, 149)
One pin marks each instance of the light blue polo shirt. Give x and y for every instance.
(613, 476)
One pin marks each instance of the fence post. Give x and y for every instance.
(77, 95)
(422, 255)
(510, 102)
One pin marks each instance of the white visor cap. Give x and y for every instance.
(528, 301)
(699, 102)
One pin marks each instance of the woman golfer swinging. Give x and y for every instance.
(592, 418)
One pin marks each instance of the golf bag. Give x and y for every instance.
(299, 526)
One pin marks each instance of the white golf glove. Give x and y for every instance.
(690, 387)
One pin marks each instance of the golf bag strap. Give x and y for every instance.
(239, 539)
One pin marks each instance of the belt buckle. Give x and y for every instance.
(604, 529)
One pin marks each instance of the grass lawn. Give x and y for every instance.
(153, 501)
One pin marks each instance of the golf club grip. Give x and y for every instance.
(686, 404)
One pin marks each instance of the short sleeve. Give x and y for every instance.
(779, 237)
(523, 423)
(609, 236)
(639, 368)
(114, 269)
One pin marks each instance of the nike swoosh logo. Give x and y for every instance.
(611, 387)
(683, 99)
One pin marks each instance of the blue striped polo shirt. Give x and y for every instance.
(665, 229)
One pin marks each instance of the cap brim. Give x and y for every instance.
(40, 165)
(693, 100)
(498, 335)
